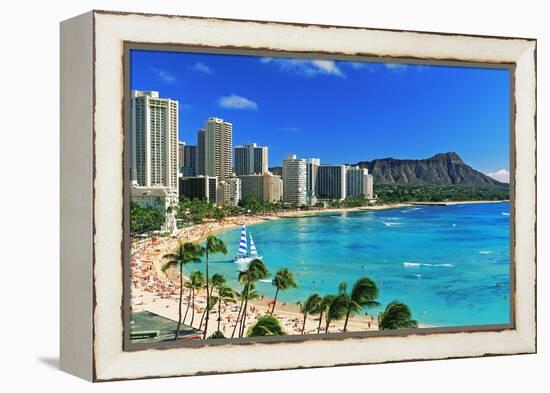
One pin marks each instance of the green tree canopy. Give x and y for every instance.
(266, 326)
(397, 315)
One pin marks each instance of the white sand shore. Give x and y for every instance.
(161, 297)
(158, 292)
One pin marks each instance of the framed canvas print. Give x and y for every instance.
(245, 195)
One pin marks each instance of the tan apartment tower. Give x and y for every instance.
(266, 187)
(218, 143)
(154, 140)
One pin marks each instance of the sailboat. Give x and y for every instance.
(243, 256)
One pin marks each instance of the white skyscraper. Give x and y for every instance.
(218, 152)
(294, 180)
(154, 140)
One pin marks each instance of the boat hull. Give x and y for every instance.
(245, 260)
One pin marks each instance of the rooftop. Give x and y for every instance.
(138, 191)
(149, 327)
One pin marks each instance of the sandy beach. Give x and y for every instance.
(158, 292)
(155, 291)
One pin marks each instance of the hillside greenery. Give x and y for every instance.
(438, 193)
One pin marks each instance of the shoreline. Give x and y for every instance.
(452, 203)
(156, 291)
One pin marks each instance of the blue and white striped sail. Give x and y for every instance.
(242, 244)
(253, 251)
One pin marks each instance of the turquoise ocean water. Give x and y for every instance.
(450, 264)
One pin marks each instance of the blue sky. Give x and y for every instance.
(340, 112)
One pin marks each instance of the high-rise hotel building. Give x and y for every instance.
(190, 161)
(229, 192)
(359, 183)
(218, 152)
(181, 149)
(331, 181)
(250, 159)
(294, 180)
(154, 140)
(312, 168)
(199, 187)
(266, 187)
(201, 136)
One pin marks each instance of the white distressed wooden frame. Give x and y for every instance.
(92, 91)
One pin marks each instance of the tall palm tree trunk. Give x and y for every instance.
(327, 325)
(274, 301)
(187, 310)
(192, 307)
(346, 321)
(243, 318)
(320, 321)
(219, 312)
(180, 301)
(207, 298)
(304, 325)
(243, 321)
(202, 318)
(238, 318)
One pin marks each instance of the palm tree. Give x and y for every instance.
(196, 282)
(363, 294)
(255, 271)
(226, 296)
(284, 279)
(323, 307)
(212, 301)
(397, 315)
(252, 294)
(213, 245)
(186, 253)
(266, 326)
(336, 310)
(218, 280)
(217, 334)
(310, 306)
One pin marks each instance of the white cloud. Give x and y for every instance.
(307, 68)
(501, 175)
(289, 129)
(359, 65)
(396, 67)
(201, 67)
(164, 76)
(237, 102)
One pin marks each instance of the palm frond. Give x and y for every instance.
(284, 279)
(397, 315)
(266, 326)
